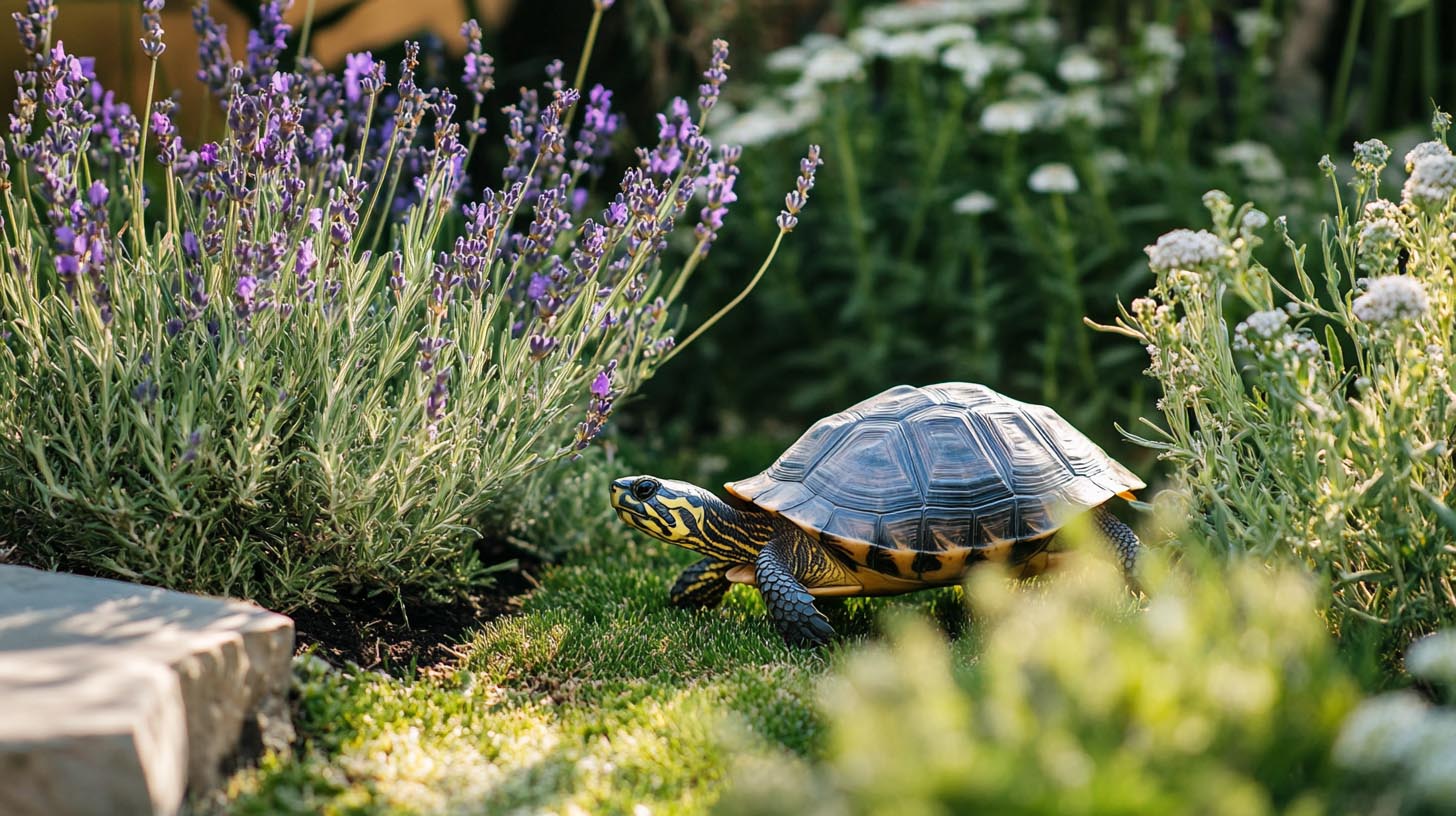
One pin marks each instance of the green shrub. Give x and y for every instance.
(277, 385)
(1312, 421)
(995, 174)
(1223, 696)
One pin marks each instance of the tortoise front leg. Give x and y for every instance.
(702, 585)
(790, 606)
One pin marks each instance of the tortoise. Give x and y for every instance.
(906, 490)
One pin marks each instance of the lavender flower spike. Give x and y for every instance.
(152, 44)
(714, 77)
(795, 201)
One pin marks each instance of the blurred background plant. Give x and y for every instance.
(1001, 164)
(1223, 696)
(317, 358)
(1318, 427)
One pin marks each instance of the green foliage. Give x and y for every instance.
(1223, 696)
(1318, 427)
(990, 178)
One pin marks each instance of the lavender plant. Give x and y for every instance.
(299, 361)
(1318, 426)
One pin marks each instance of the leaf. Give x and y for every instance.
(1337, 352)
(1442, 510)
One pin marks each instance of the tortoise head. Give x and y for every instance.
(690, 517)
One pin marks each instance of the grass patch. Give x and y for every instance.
(598, 697)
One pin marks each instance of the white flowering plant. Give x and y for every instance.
(1318, 426)
(994, 174)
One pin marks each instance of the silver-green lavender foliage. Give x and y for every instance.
(1223, 696)
(311, 361)
(1313, 420)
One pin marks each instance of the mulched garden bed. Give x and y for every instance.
(378, 633)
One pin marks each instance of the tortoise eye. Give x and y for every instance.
(644, 489)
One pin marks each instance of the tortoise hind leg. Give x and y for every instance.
(1123, 540)
(702, 585)
(790, 606)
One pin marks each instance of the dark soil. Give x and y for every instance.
(379, 633)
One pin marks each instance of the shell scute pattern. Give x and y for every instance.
(955, 471)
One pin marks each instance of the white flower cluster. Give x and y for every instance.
(834, 63)
(1390, 298)
(1266, 335)
(1377, 245)
(976, 60)
(1184, 249)
(1265, 324)
(1403, 739)
(1432, 181)
(1053, 177)
(1079, 67)
(1038, 32)
(1371, 156)
(1433, 658)
(1421, 151)
(1256, 160)
(1255, 26)
(896, 16)
(973, 203)
(1010, 116)
(1255, 220)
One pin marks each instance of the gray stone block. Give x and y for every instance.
(117, 698)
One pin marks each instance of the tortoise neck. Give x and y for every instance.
(734, 530)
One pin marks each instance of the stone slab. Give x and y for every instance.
(117, 698)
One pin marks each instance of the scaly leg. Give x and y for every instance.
(702, 585)
(790, 606)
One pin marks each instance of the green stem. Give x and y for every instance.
(141, 165)
(307, 30)
(864, 276)
(708, 324)
(1342, 77)
(933, 167)
(586, 54)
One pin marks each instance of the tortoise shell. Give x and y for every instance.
(915, 482)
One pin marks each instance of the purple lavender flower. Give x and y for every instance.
(714, 77)
(266, 42)
(795, 200)
(429, 347)
(152, 32)
(479, 66)
(246, 289)
(721, 176)
(303, 267)
(34, 25)
(675, 129)
(363, 76)
(214, 56)
(541, 346)
(602, 389)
